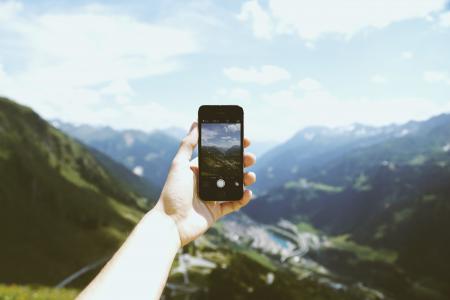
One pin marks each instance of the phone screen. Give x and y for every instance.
(220, 154)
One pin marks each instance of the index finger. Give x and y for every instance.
(188, 144)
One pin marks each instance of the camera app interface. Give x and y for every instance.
(221, 156)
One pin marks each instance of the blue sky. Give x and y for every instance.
(221, 135)
(289, 63)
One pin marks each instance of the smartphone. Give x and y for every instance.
(221, 152)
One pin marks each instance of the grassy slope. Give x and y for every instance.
(18, 292)
(59, 209)
(152, 151)
(128, 180)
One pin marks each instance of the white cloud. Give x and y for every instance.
(93, 48)
(117, 87)
(261, 22)
(437, 76)
(267, 74)
(133, 114)
(208, 134)
(233, 128)
(234, 94)
(444, 19)
(406, 55)
(312, 19)
(3, 76)
(378, 79)
(319, 107)
(9, 10)
(85, 59)
(309, 84)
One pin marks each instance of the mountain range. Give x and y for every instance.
(385, 187)
(375, 198)
(224, 161)
(66, 206)
(146, 154)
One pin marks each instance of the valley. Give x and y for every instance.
(340, 213)
(221, 161)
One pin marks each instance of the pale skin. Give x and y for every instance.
(140, 268)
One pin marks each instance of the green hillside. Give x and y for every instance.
(391, 194)
(59, 208)
(151, 152)
(378, 204)
(19, 292)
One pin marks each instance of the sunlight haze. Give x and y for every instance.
(289, 64)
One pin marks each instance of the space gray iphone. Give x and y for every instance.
(220, 152)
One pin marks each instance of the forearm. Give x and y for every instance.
(140, 268)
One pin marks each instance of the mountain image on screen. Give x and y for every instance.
(221, 149)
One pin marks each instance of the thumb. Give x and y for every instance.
(188, 144)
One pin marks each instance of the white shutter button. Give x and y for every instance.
(220, 183)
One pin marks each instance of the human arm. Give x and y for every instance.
(140, 268)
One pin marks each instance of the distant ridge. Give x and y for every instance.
(384, 187)
(148, 154)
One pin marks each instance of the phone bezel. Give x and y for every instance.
(219, 113)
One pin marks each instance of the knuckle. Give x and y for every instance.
(187, 142)
(175, 162)
(181, 146)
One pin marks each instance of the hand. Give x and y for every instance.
(180, 201)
